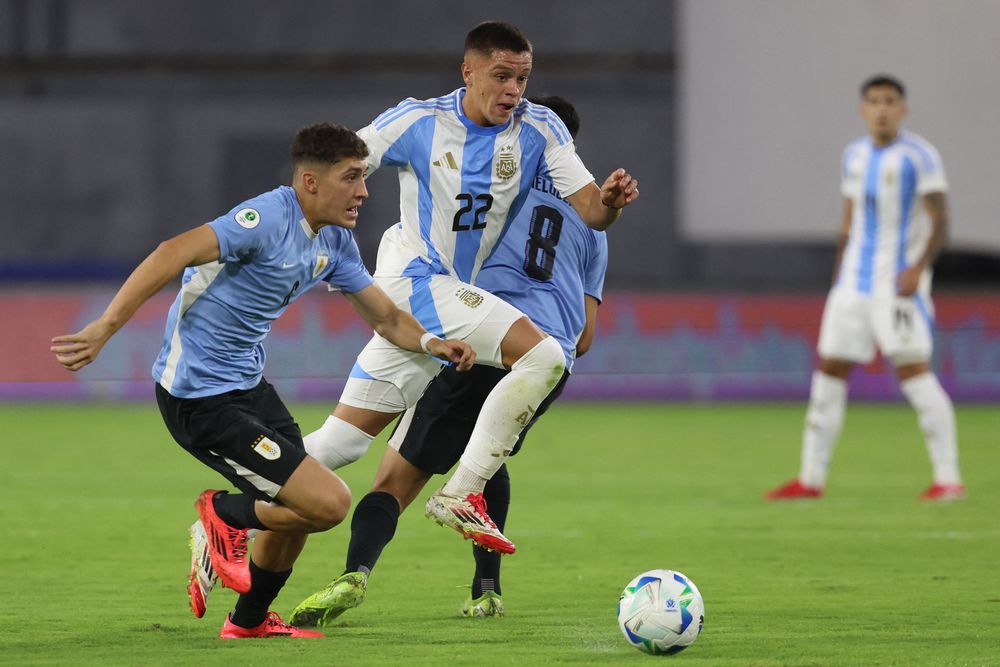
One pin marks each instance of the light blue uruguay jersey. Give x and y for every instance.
(460, 183)
(545, 264)
(889, 227)
(268, 256)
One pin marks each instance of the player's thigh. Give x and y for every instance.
(433, 434)
(845, 331)
(228, 434)
(447, 306)
(387, 378)
(903, 329)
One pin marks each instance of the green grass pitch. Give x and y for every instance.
(98, 500)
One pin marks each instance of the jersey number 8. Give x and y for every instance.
(543, 236)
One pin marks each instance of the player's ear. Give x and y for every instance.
(307, 179)
(466, 73)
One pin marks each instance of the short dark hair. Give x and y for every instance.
(326, 143)
(562, 108)
(880, 80)
(490, 36)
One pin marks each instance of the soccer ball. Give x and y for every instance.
(661, 611)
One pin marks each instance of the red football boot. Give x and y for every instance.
(272, 626)
(468, 516)
(226, 545)
(943, 493)
(794, 490)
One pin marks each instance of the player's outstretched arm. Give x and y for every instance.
(192, 248)
(599, 207)
(402, 329)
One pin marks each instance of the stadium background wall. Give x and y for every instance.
(649, 347)
(123, 123)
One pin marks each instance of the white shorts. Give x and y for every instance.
(389, 379)
(854, 324)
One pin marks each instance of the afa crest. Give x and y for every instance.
(506, 162)
(469, 298)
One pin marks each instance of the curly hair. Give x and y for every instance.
(327, 143)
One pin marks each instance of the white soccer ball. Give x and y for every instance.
(661, 611)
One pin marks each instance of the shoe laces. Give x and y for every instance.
(479, 507)
(275, 622)
(237, 541)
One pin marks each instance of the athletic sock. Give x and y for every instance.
(497, 497)
(508, 409)
(251, 607)
(936, 416)
(372, 527)
(237, 510)
(824, 421)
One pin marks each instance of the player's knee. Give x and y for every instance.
(331, 508)
(337, 443)
(546, 357)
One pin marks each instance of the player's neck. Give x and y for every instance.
(472, 113)
(883, 140)
(307, 214)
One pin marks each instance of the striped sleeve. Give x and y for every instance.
(389, 127)
(930, 169)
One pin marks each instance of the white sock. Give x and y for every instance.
(337, 443)
(507, 410)
(824, 421)
(936, 416)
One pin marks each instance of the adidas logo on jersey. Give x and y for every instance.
(447, 161)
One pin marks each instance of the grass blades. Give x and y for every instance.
(98, 501)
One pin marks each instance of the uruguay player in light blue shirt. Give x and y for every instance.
(240, 272)
(550, 266)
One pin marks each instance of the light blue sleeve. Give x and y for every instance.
(347, 272)
(248, 228)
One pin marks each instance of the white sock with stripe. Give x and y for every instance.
(936, 416)
(507, 410)
(824, 421)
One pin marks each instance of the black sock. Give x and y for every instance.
(237, 510)
(372, 527)
(497, 497)
(251, 608)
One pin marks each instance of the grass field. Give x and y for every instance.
(99, 500)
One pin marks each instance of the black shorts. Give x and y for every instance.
(445, 415)
(247, 435)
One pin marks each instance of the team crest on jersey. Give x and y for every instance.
(248, 218)
(506, 163)
(267, 448)
(469, 298)
(889, 179)
(322, 261)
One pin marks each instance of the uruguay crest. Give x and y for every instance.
(322, 261)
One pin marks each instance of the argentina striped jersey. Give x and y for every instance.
(461, 183)
(889, 228)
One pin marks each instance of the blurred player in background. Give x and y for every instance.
(243, 269)
(550, 266)
(895, 223)
(466, 162)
